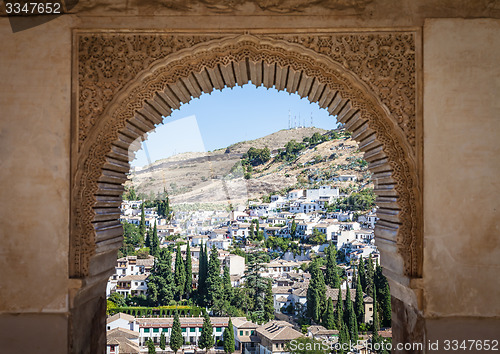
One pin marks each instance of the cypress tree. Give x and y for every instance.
(228, 288)
(148, 240)
(375, 325)
(343, 338)
(362, 274)
(176, 339)
(293, 229)
(206, 339)
(180, 274)
(229, 338)
(189, 273)
(385, 305)
(151, 346)
(163, 341)
(251, 234)
(331, 277)
(359, 307)
(142, 225)
(329, 316)
(370, 272)
(350, 316)
(154, 242)
(316, 293)
(339, 311)
(383, 296)
(213, 282)
(269, 303)
(202, 276)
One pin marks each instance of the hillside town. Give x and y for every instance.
(288, 243)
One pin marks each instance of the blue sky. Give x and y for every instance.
(226, 117)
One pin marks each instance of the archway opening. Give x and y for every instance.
(175, 80)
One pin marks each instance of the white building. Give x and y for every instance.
(235, 263)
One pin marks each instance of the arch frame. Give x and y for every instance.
(124, 82)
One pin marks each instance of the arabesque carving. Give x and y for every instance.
(128, 81)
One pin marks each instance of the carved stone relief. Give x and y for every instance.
(127, 81)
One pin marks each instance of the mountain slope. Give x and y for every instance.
(206, 178)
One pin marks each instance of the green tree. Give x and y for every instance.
(370, 275)
(142, 225)
(251, 233)
(269, 303)
(359, 307)
(214, 281)
(350, 316)
(189, 273)
(228, 288)
(318, 238)
(118, 299)
(179, 275)
(130, 194)
(331, 276)
(163, 341)
(376, 339)
(202, 276)
(161, 285)
(362, 273)
(151, 346)
(229, 338)
(343, 338)
(383, 296)
(155, 242)
(329, 315)
(147, 243)
(339, 311)
(255, 287)
(293, 229)
(176, 339)
(206, 339)
(316, 292)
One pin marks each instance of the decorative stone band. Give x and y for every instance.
(128, 81)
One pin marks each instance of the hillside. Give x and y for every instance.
(206, 177)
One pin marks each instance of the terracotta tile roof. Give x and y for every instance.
(243, 323)
(278, 331)
(139, 277)
(320, 330)
(122, 332)
(185, 321)
(120, 315)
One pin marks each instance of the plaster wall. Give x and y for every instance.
(34, 159)
(461, 168)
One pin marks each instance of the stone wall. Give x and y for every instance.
(35, 101)
(461, 167)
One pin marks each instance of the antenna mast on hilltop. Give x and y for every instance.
(289, 119)
(312, 125)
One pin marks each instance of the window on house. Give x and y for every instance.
(218, 329)
(156, 330)
(146, 330)
(192, 330)
(184, 330)
(241, 333)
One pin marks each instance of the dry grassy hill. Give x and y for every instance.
(204, 177)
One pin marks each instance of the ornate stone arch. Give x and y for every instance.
(128, 81)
